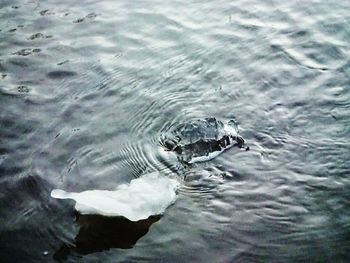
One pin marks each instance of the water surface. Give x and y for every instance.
(88, 87)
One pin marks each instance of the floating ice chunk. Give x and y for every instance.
(145, 196)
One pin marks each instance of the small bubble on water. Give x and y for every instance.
(79, 20)
(23, 52)
(91, 15)
(45, 253)
(36, 35)
(118, 55)
(44, 12)
(22, 89)
(63, 62)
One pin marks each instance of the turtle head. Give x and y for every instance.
(172, 144)
(169, 145)
(240, 142)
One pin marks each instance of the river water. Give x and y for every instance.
(88, 87)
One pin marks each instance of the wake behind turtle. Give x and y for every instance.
(202, 139)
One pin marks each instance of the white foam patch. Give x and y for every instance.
(147, 195)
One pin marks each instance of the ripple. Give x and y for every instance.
(148, 156)
(147, 118)
(27, 51)
(61, 74)
(39, 35)
(89, 16)
(46, 12)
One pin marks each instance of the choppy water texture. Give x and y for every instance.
(87, 88)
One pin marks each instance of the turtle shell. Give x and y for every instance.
(201, 137)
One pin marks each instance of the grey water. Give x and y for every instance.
(88, 87)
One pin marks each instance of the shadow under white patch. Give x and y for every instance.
(145, 196)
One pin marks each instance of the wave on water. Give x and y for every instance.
(145, 196)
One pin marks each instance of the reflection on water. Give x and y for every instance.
(98, 233)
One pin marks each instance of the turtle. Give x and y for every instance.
(201, 140)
